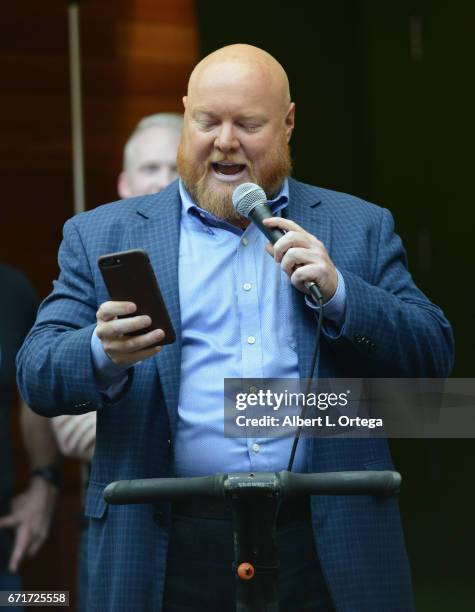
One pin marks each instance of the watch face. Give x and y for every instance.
(50, 473)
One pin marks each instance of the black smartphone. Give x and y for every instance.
(129, 277)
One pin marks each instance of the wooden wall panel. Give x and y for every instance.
(136, 59)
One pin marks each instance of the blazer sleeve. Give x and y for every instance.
(391, 328)
(55, 370)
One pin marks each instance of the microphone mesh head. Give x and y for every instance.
(246, 197)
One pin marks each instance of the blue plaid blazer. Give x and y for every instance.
(391, 329)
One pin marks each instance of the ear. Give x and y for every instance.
(290, 121)
(184, 99)
(123, 187)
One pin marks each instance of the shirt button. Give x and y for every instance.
(244, 242)
(247, 286)
(251, 340)
(255, 447)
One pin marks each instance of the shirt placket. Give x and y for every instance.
(247, 291)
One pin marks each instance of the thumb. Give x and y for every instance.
(270, 249)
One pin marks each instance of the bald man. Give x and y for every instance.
(238, 313)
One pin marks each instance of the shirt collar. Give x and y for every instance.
(279, 202)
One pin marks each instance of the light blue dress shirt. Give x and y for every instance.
(236, 316)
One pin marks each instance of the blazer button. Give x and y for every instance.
(358, 339)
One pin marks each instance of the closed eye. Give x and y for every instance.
(149, 168)
(249, 127)
(206, 124)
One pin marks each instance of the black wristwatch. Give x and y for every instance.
(50, 473)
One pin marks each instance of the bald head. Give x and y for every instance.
(238, 123)
(241, 61)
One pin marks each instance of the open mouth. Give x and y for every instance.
(230, 171)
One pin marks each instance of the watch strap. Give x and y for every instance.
(50, 473)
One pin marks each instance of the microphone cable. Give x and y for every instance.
(316, 352)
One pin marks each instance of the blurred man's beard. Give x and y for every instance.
(218, 200)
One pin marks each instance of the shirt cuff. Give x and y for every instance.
(334, 309)
(110, 376)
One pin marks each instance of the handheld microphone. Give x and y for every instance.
(250, 201)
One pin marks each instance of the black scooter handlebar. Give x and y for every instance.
(164, 489)
(289, 484)
(340, 483)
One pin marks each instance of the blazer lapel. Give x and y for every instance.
(157, 231)
(305, 209)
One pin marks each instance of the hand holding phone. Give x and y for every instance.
(115, 323)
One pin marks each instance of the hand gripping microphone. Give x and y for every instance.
(250, 201)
